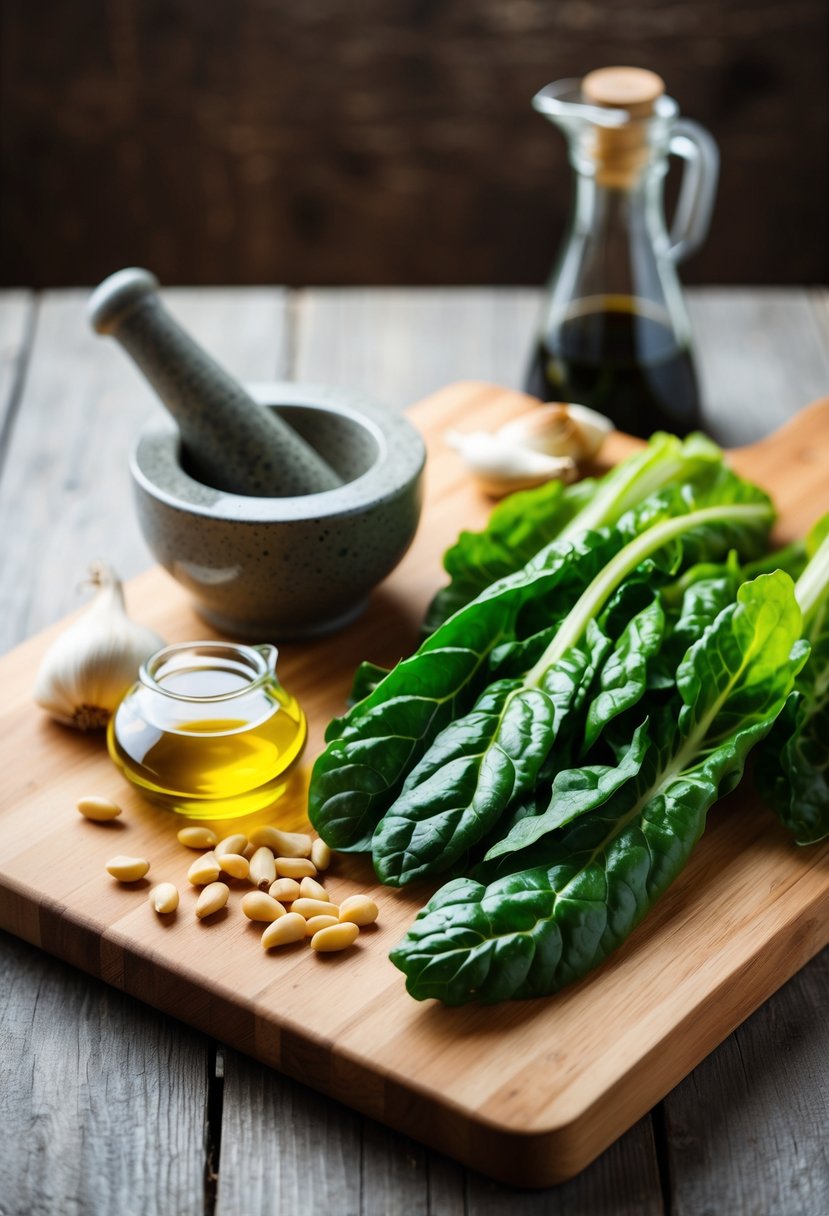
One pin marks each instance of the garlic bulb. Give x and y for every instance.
(559, 430)
(543, 444)
(501, 468)
(86, 670)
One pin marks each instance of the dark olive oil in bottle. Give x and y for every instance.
(616, 356)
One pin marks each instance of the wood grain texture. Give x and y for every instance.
(113, 1119)
(17, 310)
(278, 142)
(401, 345)
(750, 1122)
(623, 1182)
(761, 356)
(116, 1119)
(530, 1091)
(306, 1148)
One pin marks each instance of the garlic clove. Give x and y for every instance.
(501, 468)
(559, 430)
(89, 667)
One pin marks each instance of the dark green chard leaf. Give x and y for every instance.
(372, 748)
(515, 658)
(466, 781)
(524, 523)
(476, 767)
(624, 677)
(366, 678)
(518, 528)
(692, 603)
(575, 792)
(532, 932)
(793, 772)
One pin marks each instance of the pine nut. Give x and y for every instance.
(319, 922)
(359, 910)
(234, 864)
(314, 907)
(311, 889)
(231, 844)
(211, 899)
(262, 868)
(258, 905)
(127, 869)
(197, 838)
(295, 867)
(203, 870)
(289, 928)
(164, 898)
(321, 854)
(282, 844)
(99, 809)
(336, 937)
(286, 890)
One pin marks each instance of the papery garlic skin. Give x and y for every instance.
(501, 468)
(559, 430)
(90, 666)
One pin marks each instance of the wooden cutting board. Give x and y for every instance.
(529, 1092)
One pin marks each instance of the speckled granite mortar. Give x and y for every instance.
(296, 566)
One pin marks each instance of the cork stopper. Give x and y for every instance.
(621, 152)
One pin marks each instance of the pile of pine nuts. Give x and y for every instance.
(282, 867)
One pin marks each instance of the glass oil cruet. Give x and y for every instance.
(208, 730)
(615, 335)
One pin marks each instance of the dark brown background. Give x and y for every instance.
(357, 141)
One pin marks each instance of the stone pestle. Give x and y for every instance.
(231, 443)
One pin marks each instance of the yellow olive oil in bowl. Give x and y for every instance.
(208, 731)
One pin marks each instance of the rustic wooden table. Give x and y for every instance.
(107, 1107)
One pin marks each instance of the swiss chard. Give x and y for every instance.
(524, 523)
(530, 932)
(373, 746)
(484, 760)
(793, 773)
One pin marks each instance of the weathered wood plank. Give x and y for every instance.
(624, 1181)
(284, 1147)
(102, 1101)
(761, 358)
(747, 1131)
(65, 494)
(17, 309)
(101, 1098)
(313, 1153)
(401, 345)
(310, 1150)
(820, 302)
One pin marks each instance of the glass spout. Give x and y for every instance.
(563, 104)
(607, 141)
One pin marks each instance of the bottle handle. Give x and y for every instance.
(693, 144)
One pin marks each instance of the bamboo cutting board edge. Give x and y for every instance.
(550, 1144)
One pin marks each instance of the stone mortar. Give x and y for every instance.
(297, 566)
